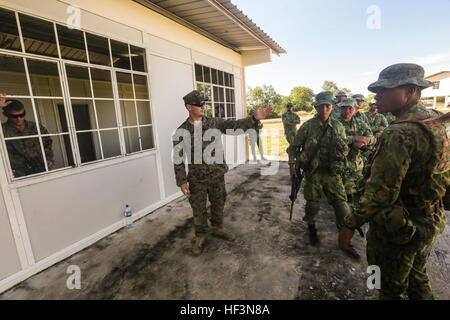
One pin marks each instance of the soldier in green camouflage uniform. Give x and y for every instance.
(290, 122)
(359, 104)
(340, 96)
(323, 172)
(25, 155)
(358, 135)
(377, 121)
(205, 177)
(403, 190)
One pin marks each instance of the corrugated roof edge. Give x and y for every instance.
(238, 14)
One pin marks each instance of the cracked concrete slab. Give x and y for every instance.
(270, 259)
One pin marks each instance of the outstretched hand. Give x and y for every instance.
(3, 102)
(262, 113)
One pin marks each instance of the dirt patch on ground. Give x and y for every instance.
(270, 259)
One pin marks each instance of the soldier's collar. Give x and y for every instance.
(414, 108)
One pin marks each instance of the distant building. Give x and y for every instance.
(438, 96)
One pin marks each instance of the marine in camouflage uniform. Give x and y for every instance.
(404, 186)
(290, 122)
(323, 172)
(377, 121)
(359, 103)
(340, 96)
(205, 178)
(354, 130)
(25, 155)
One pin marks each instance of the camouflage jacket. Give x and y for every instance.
(361, 116)
(330, 154)
(400, 174)
(290, 120)
(389, 117)
(204, 168)
(377, 122)
(355, 127)
(25, 155)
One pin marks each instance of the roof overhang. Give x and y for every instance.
(220, 21)
(438, 76)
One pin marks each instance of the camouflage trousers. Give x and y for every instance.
(404, 267)
(333, 188)
(215, 191)
(290, 135)
(352, 175)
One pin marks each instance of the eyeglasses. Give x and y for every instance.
(16, 116)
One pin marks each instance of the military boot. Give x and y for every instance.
(313, 238)
(197, 248)
(224, 234)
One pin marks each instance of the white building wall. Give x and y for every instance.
(59, 214)
(444, 89)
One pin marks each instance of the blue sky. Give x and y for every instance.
(330, 40)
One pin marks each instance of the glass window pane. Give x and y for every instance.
(228, 95)
(140, 86)
(83, 114)
(221, 95)
(227, 79)
(138, 59)
(131, 140)
(9, 35)
(8, 125)
(205, 90)
(98, 50)
(143, 108)
(52, 115)
(208, 111)
(206, 74)
(198, 73)
(124, 85)
(230, 110)
(60, 155)
(88, 146)
(110, 143)
(128, 112)
(44, 78)
(120, 55)
(216, 93)
(220, 77)
(79, 85)
(232, 80)
(13, 80)
(106, 114)
(101, 82)
(38, 36)
(71, 43)
(147, 137)
(214, 76)
(219, 110)
(25, 156)
(232, 95)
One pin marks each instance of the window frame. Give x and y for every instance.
(66, 101)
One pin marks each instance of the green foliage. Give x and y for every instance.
(333, 87)
(302, 98)
(264, 96)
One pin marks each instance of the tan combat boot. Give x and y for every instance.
(224, 234)
(197, 248)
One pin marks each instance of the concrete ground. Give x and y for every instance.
(270, 259)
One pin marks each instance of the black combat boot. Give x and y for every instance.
(313, 238)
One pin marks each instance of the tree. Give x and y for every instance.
(333, 87)
(264, 96)
(302, 98)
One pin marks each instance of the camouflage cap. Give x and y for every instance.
(341, 94)
(401, 74)
(372, 102)
(324, 97)
(349, 102)
(289, 104)
(358, 97)
(194, 97)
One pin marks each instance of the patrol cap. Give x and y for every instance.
(324, 97)
(349, 102)
(289, 104)
(371, 103)
(341, 94)
(358, 97)
(194, 97)
(401, 74)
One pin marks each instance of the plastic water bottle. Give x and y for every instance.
(128, 219)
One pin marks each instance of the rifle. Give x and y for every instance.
(297, 181)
